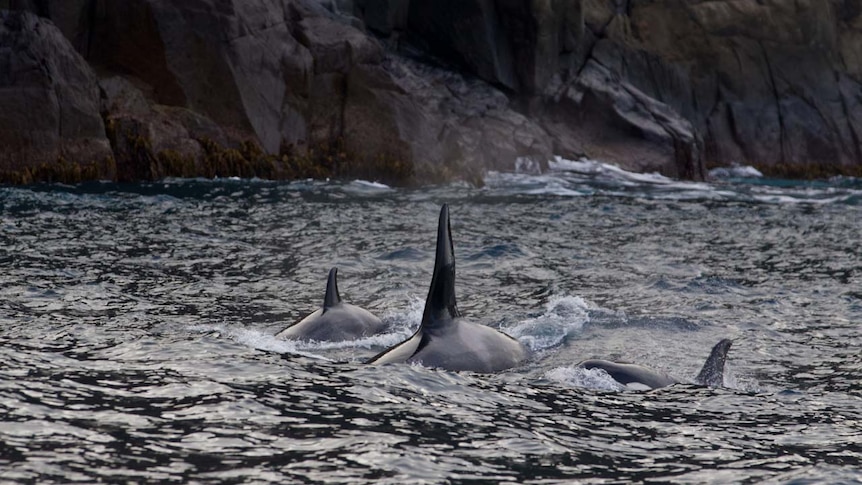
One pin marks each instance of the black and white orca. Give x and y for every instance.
(336, 321)
(445, 339)
(638, 377)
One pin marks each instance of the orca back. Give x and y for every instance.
(335, 321)
(444, 339)
(712, 373)
(630, 375)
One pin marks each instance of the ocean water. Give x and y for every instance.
(137, 323)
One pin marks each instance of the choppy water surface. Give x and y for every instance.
(136, 328)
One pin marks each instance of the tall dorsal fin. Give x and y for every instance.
(712, 374)
(441, 307)
(332, 297)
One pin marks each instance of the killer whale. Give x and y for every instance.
(635, 376)
(335, 321)
(445, 339)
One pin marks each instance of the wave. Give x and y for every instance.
(563, 178)
(585, 177)
(607, 171)
(563, 316)
(400, 325)
(735, 171)
(366, 187)
(573, 376)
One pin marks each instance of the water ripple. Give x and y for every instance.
(137, 329)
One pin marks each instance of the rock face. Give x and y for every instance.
(289, 77)
(665, 85)
(765, 82)
(49, 100)
(414, 91)
(549, 61)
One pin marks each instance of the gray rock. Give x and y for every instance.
(448, 126)
(466, 33)
(602, 117)
(323, 83)
(657, 85)
(535, 50)
(234, 62)
(49, 98)
(153, 141)
(384, 17)
(762, 81)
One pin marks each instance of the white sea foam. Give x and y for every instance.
(579, 377)
(735, 171)
(527, 165)
(562, 317)
(369, 185)
(400, 326)
(585, 177)
(594, 167)
(534, 184)
(258, 339)
(366, 188)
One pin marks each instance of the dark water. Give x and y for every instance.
(136, 329)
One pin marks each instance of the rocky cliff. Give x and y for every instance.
(416, 91)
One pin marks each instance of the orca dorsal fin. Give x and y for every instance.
(712, 373)
(441, 307)
(332, 297)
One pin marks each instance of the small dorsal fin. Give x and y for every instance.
(332, 297)
(441, 307)
(712, 374)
